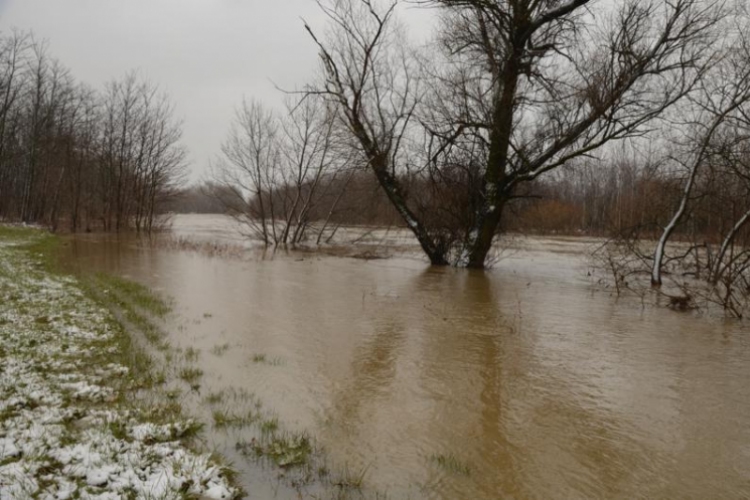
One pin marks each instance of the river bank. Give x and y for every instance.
(72, 424)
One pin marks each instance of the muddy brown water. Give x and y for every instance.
(537, 383)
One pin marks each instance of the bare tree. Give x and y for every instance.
(250, 158)
(522, 87)
(369, 76)
(279, 167)
(81, 181)
(312, 158)
(12, 57)
(719, 105)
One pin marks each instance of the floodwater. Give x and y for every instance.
(539, 385)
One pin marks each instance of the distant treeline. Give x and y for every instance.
(72, 157)
(608, 197)
(199, 199)
(625, 199)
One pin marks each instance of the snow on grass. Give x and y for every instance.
(68, 425)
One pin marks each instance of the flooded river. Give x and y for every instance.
(521, 382)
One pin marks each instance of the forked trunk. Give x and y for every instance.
(392, 190)
(676, 218)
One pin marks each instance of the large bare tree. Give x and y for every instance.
(520, 88)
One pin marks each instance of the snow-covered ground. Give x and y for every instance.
(68, 426)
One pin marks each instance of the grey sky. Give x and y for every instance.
(207, 54)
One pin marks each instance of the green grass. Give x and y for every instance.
(18, 233)
(38, 245)
(135, 293)
(125, 308)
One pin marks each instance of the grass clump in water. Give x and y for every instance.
(220, 350)
(286, 450)
(235, 396)
(190, 374)
(269, 425)
(450, 463)
(263, 359)
(214, 398)
(349, 479)
(226, 419)
(192, 354)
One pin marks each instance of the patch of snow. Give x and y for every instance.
(97, 477)
(217, 491)
(8, 449)
(56, 441)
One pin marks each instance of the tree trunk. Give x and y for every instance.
(718, 269)
(481, 238)
(659, 252)
(390, 185)
(493, 189)
(333, 207)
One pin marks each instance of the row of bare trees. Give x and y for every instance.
(74, 157)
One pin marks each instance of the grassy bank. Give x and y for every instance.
(73, 423)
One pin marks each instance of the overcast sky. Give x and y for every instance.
(207, 54)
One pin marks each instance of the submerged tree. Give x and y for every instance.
(715, 155)
(715, 125)
(520, 88)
